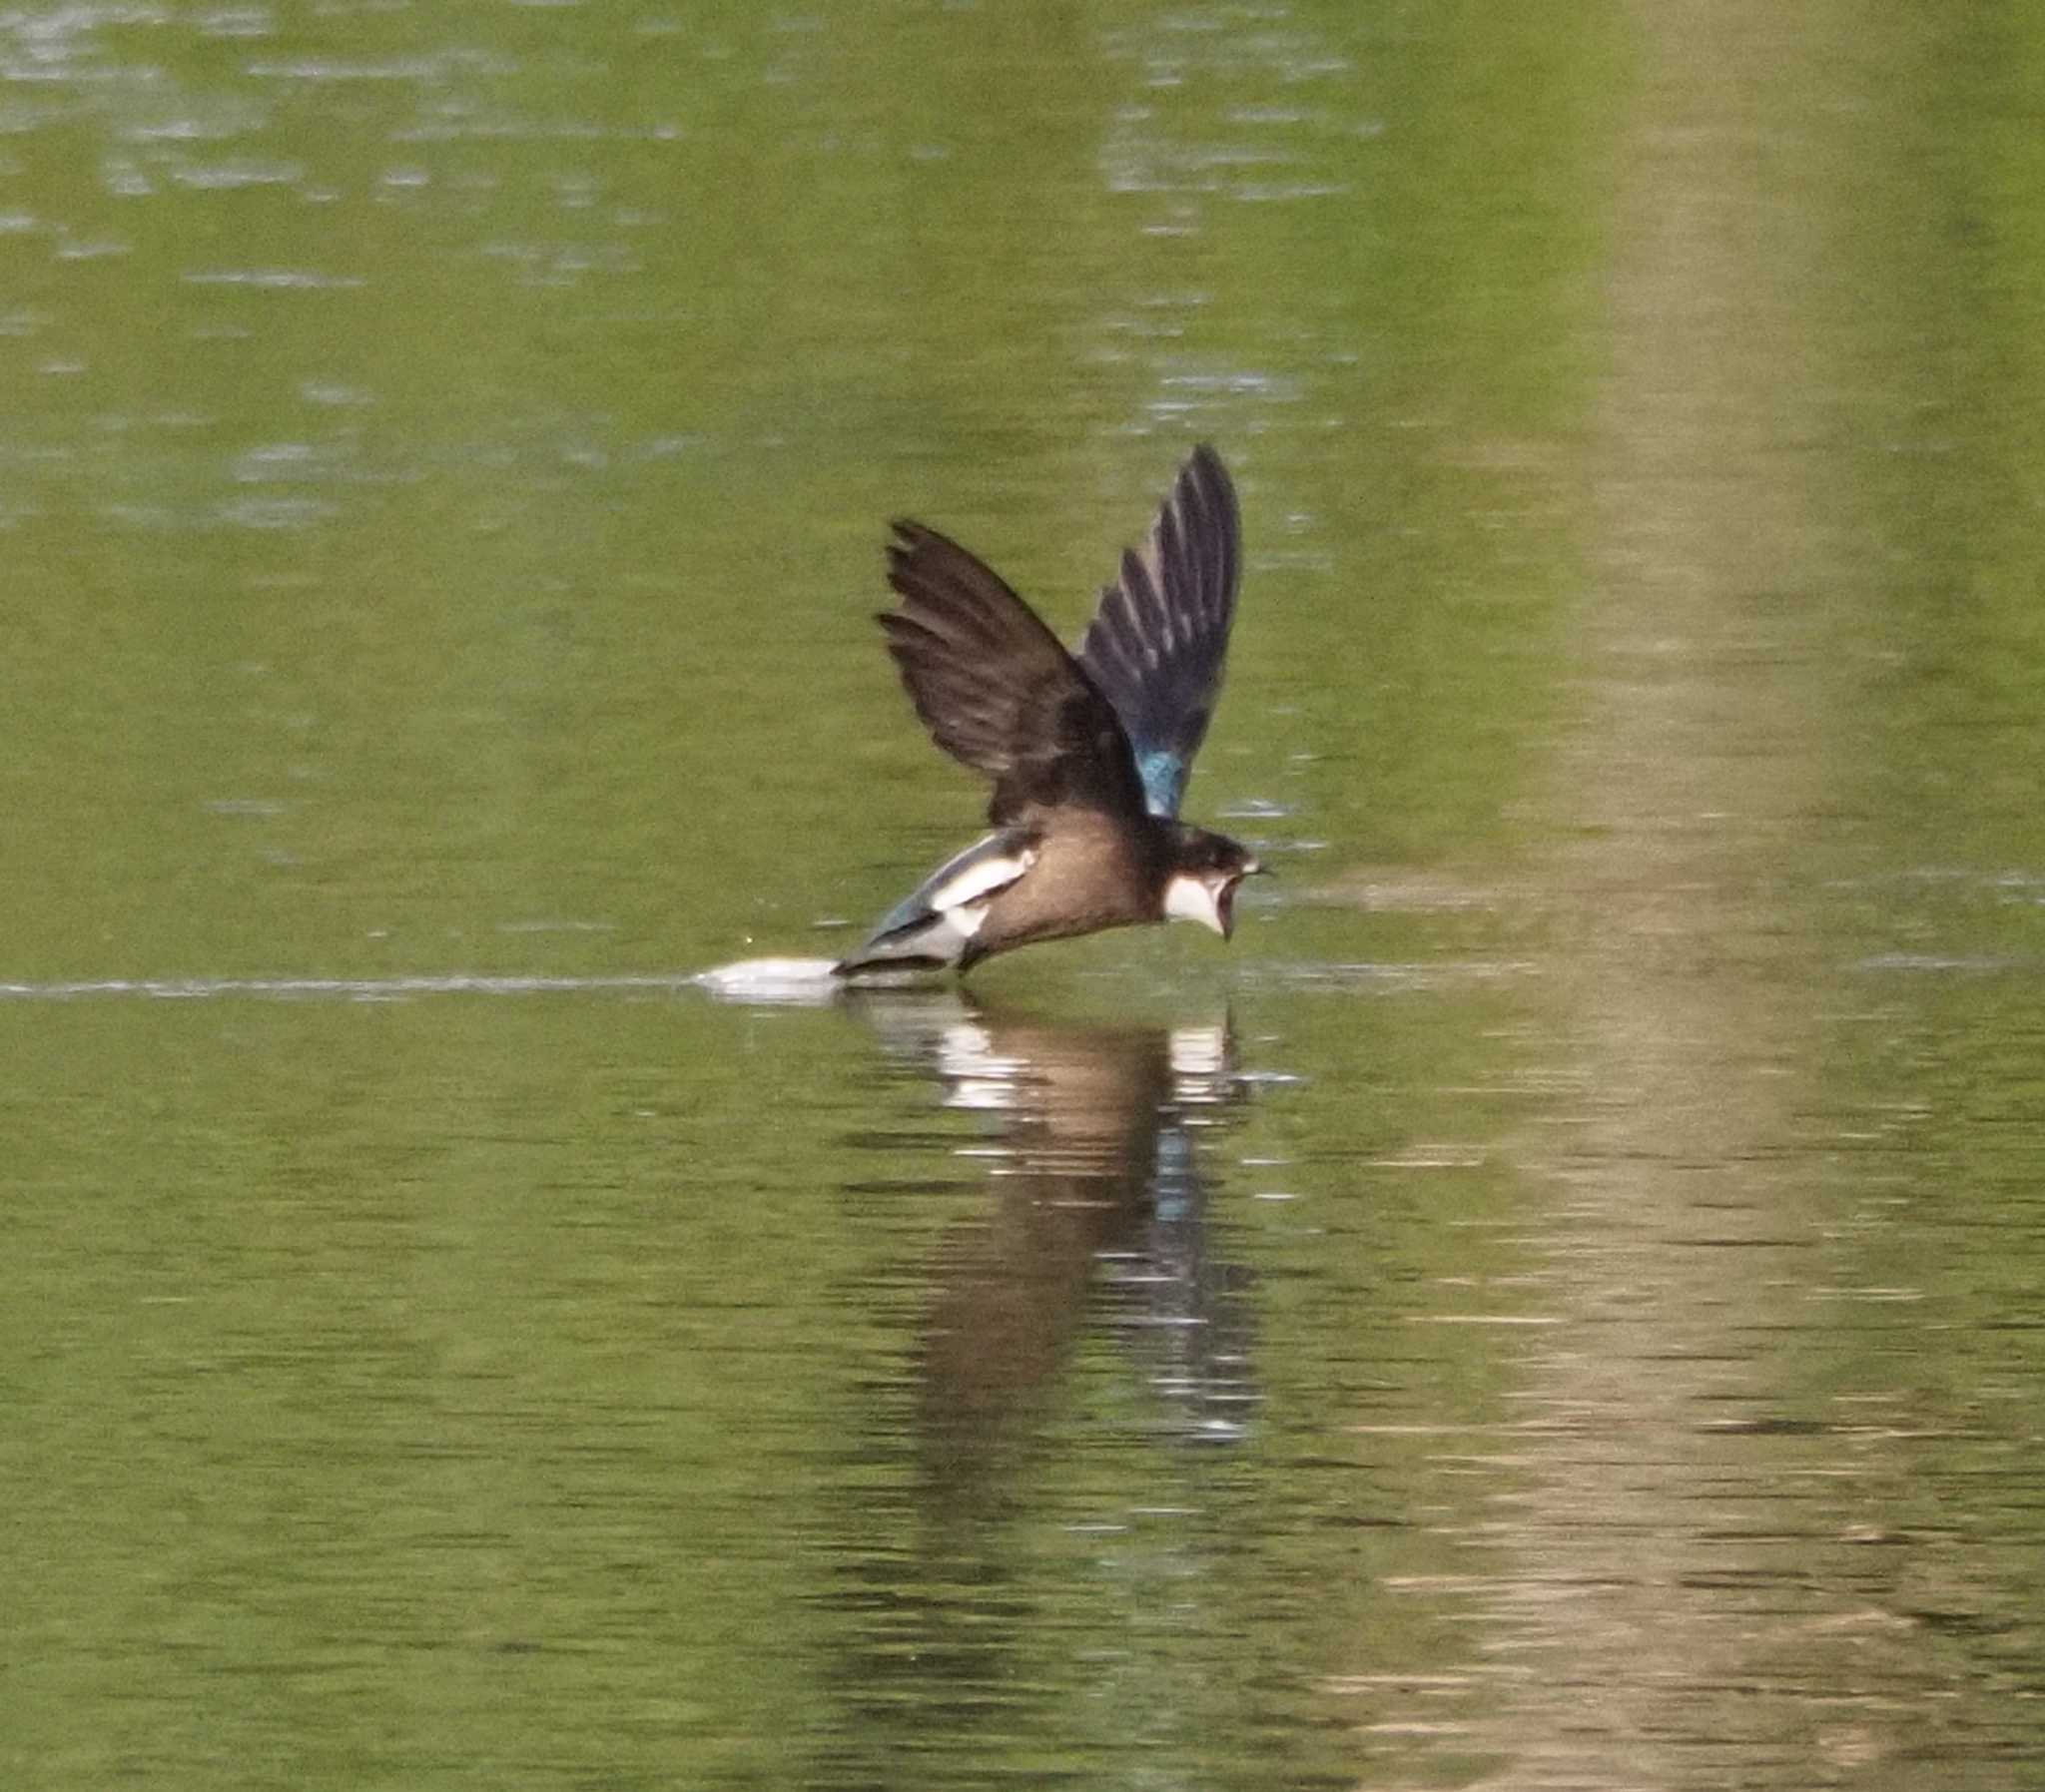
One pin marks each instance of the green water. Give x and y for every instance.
(1554, 1303)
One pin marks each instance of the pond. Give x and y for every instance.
(1552, 1303)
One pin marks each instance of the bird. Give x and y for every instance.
(1088, 752)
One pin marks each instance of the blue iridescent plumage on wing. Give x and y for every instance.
(1156, 645)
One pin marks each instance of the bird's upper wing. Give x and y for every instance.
(1156, 645)
(996, 690)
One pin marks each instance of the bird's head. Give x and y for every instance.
(1206, 871)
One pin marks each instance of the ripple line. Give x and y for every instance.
(344, 989)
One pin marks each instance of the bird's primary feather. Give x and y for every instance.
(1157, 643)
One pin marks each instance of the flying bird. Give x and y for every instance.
(1088, 752)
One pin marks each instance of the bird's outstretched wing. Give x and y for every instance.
(1156, 645)
(996, 690)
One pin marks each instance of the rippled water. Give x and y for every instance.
(1554, 1304)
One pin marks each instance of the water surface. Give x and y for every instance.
(1554, 1304)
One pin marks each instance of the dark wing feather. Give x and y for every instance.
(994, 687)
(1156, 645)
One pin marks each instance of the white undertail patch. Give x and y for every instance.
(975, 883)
(963, 900)
(938, 922)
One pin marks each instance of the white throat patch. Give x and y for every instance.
(1188, 899)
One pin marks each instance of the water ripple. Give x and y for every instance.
(393, 988)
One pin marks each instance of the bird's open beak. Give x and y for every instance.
(1224, 897)
(1224, 910)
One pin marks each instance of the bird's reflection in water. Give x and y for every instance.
(1094, 1164)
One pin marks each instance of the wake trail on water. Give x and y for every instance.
(756, 979)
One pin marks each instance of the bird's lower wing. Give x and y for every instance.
(931, 927)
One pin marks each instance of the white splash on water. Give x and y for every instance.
(803, 982)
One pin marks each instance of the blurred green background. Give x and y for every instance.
(444, 460)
